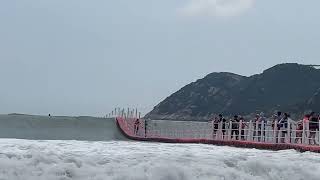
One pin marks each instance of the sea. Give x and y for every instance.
(88, 148)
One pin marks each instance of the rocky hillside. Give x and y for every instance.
(284, 87)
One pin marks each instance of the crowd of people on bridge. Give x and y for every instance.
(278, 122)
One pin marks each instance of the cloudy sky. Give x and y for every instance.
(81, 57)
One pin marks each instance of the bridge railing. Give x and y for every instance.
(291, 132)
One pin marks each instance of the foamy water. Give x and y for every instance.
(120, 160)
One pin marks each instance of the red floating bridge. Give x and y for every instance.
(250, 135)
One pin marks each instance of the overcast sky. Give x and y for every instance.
(85, 57)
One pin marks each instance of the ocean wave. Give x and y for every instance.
(121, 160)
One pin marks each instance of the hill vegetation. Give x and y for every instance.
(286, 87)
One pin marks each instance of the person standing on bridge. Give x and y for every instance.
(284, 123)
(299, 131)
(215, 125)
(136, 126)
(313, 127)
(261, 126)
(235, 126)
(222, 120)
(256, 129)
(275, 125)
(243, 127)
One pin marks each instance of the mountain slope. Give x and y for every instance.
(280, 87)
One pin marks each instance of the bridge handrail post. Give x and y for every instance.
(240, 130)
(263, 131)
(122, 113)
(275, 131)
(269, 133)
(212, 127)
(219, 135)
(136, 113)
(319, 132)
(128, 113)
(293, 132)
(288, 132)
(250, 131)
(256, 131)
(145, 128)
(230, 131)
(303, 132)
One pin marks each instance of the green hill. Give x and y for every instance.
(283, 87)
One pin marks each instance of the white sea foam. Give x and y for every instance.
(119, 160)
